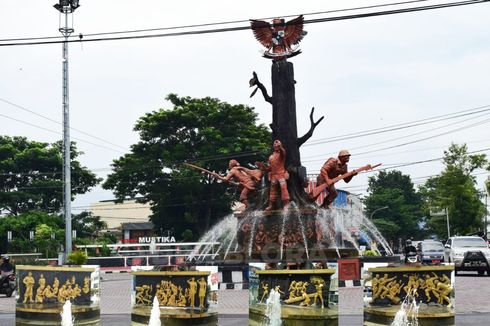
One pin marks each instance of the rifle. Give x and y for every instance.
(318, 190)
(217, 176)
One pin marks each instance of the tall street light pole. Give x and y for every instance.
(66, 9)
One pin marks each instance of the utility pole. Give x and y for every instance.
(447, 219)
(66, 9)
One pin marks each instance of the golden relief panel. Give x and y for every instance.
(170, 294)
(435, 288)
(41, 292)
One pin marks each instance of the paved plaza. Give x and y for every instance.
(472, 303)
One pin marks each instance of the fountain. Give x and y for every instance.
(66, 315)
(294, 297)
(171, 298)
(411, 296)
(155, 313)
(54, 295)
(273, 309)
(292, 234)
(286, 217)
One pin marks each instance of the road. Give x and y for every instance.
(472, 298)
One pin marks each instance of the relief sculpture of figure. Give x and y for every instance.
(265, 291)
(277, 175)
(202, 291)
(29, 284)
(318, 293)
(192, 291)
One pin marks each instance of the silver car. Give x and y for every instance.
(469, 253)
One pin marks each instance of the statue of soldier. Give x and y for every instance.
(247, 179)
(277, 175)
(332, 168)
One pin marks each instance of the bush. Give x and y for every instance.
(78, 257)
(371, 253)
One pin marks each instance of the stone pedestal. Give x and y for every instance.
(430, 286)
(43, 290)
(304, 297)
(182, 297)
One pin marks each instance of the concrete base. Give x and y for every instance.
(296, 316)
(49, 314)
(427, 315)
(140, 316)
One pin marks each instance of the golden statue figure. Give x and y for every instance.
(306, 299)
(76, 291)
(56, 284)
(265, 291)
(40, 294)
(182, 300)
(86, 285)
(202, 291)
(444, 290)
(41, 281)
(62, 294)
(379, 285)
(297, 290)
(29, 284)
(318, 293)
(192, 291)
(278, 289)
(160, 294)
(412, 285)
(49, 292)
(142, 294)
(429, 286)
(394, 289)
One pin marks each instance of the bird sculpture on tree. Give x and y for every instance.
(279, 37)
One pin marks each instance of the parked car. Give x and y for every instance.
(469, 253)
(430, 252)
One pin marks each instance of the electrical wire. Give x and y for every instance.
(57, 122)
(210, 24)
(242, 28)
(400, 126)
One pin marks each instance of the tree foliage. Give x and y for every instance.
(395, 191)
(204, 131)
(31, 178)
(455, 189)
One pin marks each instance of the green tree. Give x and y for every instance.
(404, 205)
(43, 225)
(31, 179)
(455, 189)
(205, 131)
(87, 225)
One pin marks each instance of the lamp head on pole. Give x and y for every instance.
(67, 5)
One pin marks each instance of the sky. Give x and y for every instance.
(361, 74)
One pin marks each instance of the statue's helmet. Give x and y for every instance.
(344, 152)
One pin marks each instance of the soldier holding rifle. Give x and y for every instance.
(335, 169)
(332, 168)
(239, 176)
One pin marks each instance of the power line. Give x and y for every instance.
(58, 133)
(211, 24)
(400, 126)
(57, 122)
(241, 28)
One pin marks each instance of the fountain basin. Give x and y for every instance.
(431, 287)
(304, 297)
(43, 290)
(182, 297)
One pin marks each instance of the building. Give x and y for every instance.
(114, 214)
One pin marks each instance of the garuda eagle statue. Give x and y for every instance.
(279, 37)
